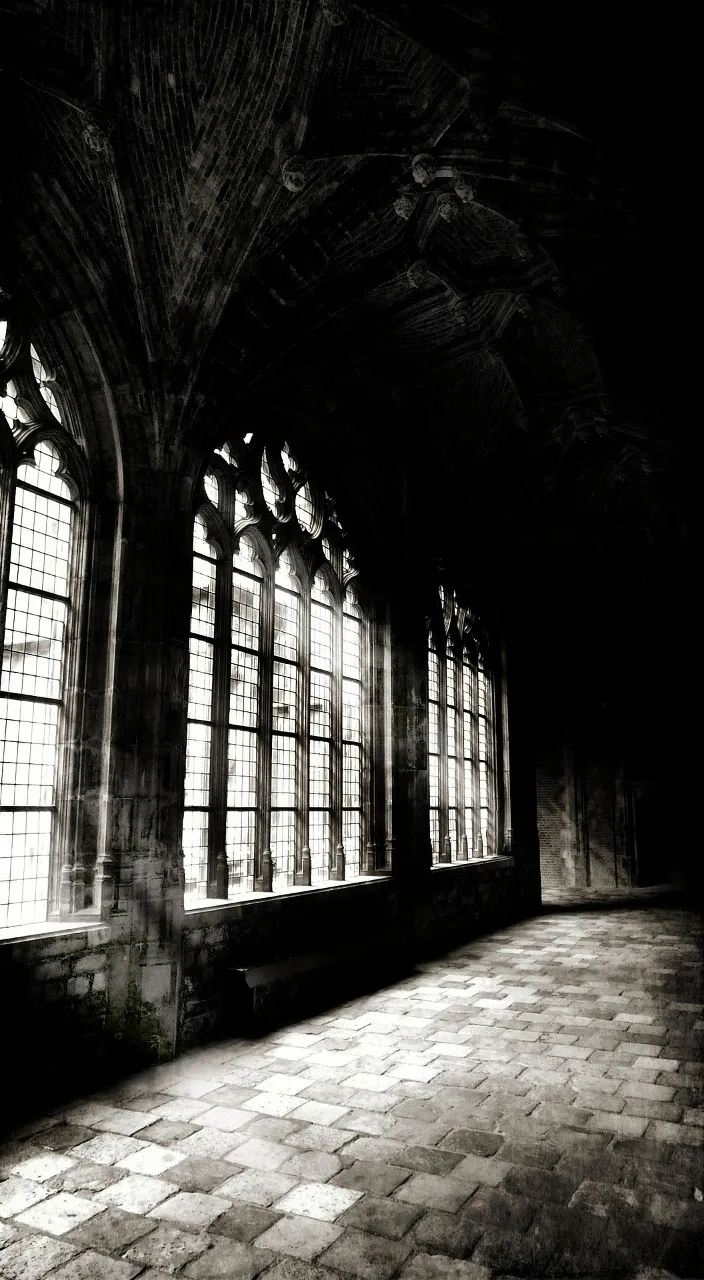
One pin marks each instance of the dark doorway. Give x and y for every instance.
(655, 858)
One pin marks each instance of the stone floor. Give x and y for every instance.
(531, 1104)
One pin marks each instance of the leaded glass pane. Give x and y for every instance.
(195, 852)
(43, 381)
(246, 603)
(285, 704)
(42, 471)
(304, 508)
(319, 774)
(203, 608)
(283, 772)
(197, 764)
(28, 742)
(200, 679)
(211, 487)
(286, 607)
(283, 829)
(244, 688)
(320, 636)
(319, 845)
(245, 558)
(269, 488)
(320, 697)
(241, 768)
(239, 847)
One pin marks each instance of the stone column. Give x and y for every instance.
(145, 776)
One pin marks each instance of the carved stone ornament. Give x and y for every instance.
(447, 206)
(558, 288)
(605, 402)
(465, 190)
(404, 207)
(423, 169)
(523, 248)
(419, 274)
(96, 129)
(334, 12)
(523, 421)
(294, 173)
(523, 306)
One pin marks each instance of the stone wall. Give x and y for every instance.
(54, 994)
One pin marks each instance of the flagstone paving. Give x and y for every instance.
(530, 1104)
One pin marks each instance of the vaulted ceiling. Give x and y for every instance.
(417, 228)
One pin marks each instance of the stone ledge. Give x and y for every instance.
(50, 930)
(476, 864)
(219, 907)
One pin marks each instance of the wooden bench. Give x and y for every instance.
(267, 992)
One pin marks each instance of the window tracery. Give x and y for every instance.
(461, 748)
(41, 483)
(275, 792)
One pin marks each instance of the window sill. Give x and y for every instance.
(192, 905)
(501, 859)
(52, 928)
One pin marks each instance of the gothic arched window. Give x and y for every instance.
(275, 791)
(41, 482)
(461, 747)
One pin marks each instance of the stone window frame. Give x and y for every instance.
(36, 423)
(457, 635)
(242, 509)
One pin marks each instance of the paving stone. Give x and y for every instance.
(244, 1222)
(151, 1159)
(608, 1122)
(303, 1238)
(60, 1213)
(191, 1209)
(167, 1249)
(543, 1185)
(136, 1193)
(43, 1167)
(85, 1176)
(367, 1256)
(317, 1166)
(606, 1200)
(63, 1136)
(436, 1267)
(381, 1217)
(166, 1132)
(257, 1187)
(107, 1148)
(258, 1153)
(429, 1160)
(31, 1257)
(111, 1231)
(496, 1207)
(454, 1234)
(91, 1265)
(435, 1192)
(195, 1173)
(215, 1143)
(473, 1142)
(372, 1176)
(228, 1260)
(314, 1137)
(484, 1170)
(661, 1131)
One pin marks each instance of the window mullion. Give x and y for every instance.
(302, 820)
(476, 798)
(264, 730)
(443, 798)
(220, 716)
(459, 753)
(336, 750)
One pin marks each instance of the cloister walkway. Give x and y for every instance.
(530, 1104)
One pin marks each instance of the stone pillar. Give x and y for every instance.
(143, 828)
(409, 745)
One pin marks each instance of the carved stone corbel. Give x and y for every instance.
(447, 206)
(334, 12)
(404, 206)
(294, 173)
